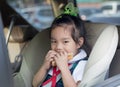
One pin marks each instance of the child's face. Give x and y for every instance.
(61, 40)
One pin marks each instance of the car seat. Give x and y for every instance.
(16, 41)
(100, 57)
(33, 55)
(35, 51)
(19, 38)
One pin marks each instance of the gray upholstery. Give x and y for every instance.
(114, 68)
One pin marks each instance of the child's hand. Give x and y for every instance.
(48, 59)
(69, 57)
(61, 60)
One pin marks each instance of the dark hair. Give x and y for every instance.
(76, 24)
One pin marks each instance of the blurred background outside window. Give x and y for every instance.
(38, 13)
(97, 10)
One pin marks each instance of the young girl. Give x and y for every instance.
(67, 37)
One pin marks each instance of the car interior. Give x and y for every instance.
(24, 53)
(32, 60)
(18, 39)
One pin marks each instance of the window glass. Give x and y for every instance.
(38, 13)
(118, 7)
(107, 7)
(46, 12)
(101, 11)
(88, 7)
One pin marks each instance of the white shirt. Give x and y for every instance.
(79, 69)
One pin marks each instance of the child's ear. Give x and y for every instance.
(81, 41)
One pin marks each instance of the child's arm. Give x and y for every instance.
(62, 62)
(67, 78)
(39, 77)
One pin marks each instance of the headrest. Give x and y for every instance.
(18, 34)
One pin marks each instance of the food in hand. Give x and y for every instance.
(53, 63)
(70, 56)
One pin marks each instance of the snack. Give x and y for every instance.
(70, 56)
(53, 63)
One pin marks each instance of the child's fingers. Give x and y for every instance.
(63, 53)
(50, 54)
(51, 59)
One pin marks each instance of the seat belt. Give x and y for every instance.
(10, 29)
(18, 60)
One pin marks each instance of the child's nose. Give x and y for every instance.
(59, 47)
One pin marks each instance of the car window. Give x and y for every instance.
(88, 7)
(46, 12)
(101, 11)
(38, 13)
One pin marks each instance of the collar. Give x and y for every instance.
(80, 55)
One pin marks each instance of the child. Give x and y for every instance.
(67, 37)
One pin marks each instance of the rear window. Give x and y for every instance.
(33, 10)
(45, 12)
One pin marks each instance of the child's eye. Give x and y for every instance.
(53, 41)
(66, 41)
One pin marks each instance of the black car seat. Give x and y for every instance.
(35, 51)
